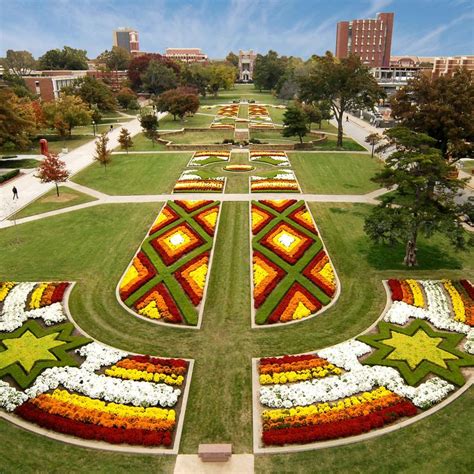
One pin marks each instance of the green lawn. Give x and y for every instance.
(219, 407)
(200, 119)
(468, 166)
(135, 173)
(335, 173)
(50, 202)
(275, 137)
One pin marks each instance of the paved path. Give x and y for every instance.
(101, 198)
(30, 188)
(191, 464)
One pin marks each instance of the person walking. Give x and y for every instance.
(111, 128)
(15, 192)
(347, 118)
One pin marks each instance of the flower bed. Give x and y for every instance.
(276, 158)
(55, 377)
(190, 182)
(201, 158)
(239, 168)
(167, 278)
(404, 366)
(284, 181)
(285, 247)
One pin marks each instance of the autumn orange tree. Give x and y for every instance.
(53, 170)
(102, 154)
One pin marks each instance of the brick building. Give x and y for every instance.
(445, 66)
(186, 55)
(370, 39)
(246, 65)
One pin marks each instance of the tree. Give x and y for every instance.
(295, 122)
(66, 113)
(127, 98)
(93, 92)
(158, 78)
(424, 199)
(313, 114)
(102, 155)
(139, 65)
(53, 170)
(345, 83)
(178, 102)
(17, 120)
(373, 139)
(118, 59)
(221, 76)
(67, 58)
(197, 76)
(125, 139)
(442, 108)
(149, 124)
(232, 59)
(268, 70)
(19, 63)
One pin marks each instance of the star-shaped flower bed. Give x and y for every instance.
(29, 350)
(417, 350)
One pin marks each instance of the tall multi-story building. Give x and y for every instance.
(246, 64)
(186, 55)
(370, 39)
(126, 38)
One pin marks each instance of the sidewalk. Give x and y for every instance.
(30, 188)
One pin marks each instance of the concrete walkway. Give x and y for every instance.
(358, 129)
(30, 188)
(191, 464)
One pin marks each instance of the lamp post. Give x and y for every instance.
(93, 126)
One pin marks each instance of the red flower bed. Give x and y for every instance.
(30, 412)
(338, 429)
(396, 290)
(286, 359)
(312, 272)
(58, 293)
(151, 272)
(279, 205)
(166, 304)
(146, 359)
(468, 287)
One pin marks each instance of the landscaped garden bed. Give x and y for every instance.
(414, 358)
(54, 377)
(168, 276)
(282, 182)
(192, 181)
(201, 158)
(276, 158)
(293, 277)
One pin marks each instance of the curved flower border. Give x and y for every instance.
(325, 352)
(94, 361)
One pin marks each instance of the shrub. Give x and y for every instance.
(11, 174)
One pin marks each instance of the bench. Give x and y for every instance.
(215, 452)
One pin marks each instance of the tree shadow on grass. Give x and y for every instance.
(430, 257)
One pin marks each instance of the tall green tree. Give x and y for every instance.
(221, 76)
(67, 58)
(93, 92)
(345, 83)
(125, 139)
(149, 123)
(423, 202)
(197, 76)
(65, 113)
(158, 78)
(118, 59)
(232, 59)
(295, 122)
(19, 63)
(268, 70)
(442, 108)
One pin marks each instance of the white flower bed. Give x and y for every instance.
(98, 356)
(13, 314)
(10, 397)
(189, 175)
(438, 312)
(105, 388)
(283, 174)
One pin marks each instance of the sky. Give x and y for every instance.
(290, 27)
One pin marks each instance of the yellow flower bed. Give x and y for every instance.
(417, 294)
(297, 376)
(35, 302)
(134, 374)
(5, 288)
(456, 300)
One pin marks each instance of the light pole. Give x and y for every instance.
(93, 126)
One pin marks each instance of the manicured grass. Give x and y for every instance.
(203, 120)
(468, 166)
(135, 173)
(25, 163)
(219, 407)
(50, 202)
(335, 173)
(275, 137)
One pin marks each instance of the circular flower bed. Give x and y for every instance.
(239, 168)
